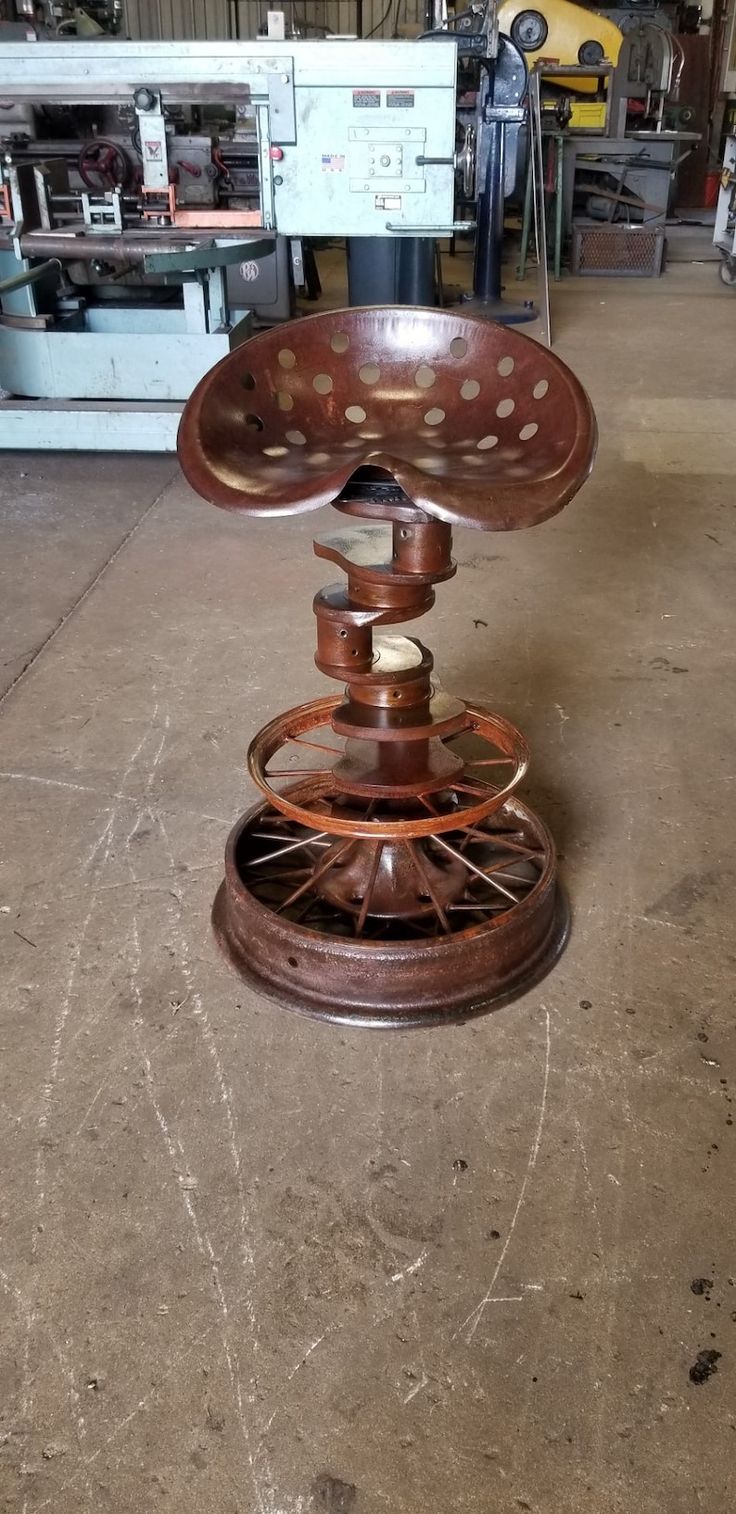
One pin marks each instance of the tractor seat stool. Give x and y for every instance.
(389, 875)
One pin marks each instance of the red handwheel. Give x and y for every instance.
(102, 164)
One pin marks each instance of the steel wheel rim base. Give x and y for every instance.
(241, 923)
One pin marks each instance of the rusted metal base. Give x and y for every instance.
(400, 973)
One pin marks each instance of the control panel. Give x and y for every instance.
(375, 140)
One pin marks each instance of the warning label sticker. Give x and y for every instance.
(366, 99)
(333, 162)
(400, 99)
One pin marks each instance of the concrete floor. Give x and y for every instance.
(252, 1263)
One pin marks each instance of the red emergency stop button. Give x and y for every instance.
(276, 154)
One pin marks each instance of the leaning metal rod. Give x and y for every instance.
(30, 276)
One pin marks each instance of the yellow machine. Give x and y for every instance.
(569, 34)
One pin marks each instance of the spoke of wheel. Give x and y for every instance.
(274, 836)
(480, 762)
(305, 909)
(277, 874)
(318, 872)
(492, 838)
(473, 869)
(280, 878)
(488, 762)
(293, 847)
(500, 867)
(424, 876)
(513, 877)
(484, 791)
(368, 895)
(295, 772)
(438, 814)
(319, 746)
(452, 908)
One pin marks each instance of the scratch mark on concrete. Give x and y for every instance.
(85, 1118)
(417, 1388)
(396, 1277)
(110, 798)
(301, 1362)
(188, 1187)
(473, 1320)
(96, 859)
(588, 1183)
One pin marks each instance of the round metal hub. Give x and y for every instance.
(484, 918)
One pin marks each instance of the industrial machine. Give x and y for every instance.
(610, 184)
(647, 79)
(491, 110)
(38, 19)
(724, 235)
(144, 185)
(574, 36)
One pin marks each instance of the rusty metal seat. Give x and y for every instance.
(396, 879)
(479, 425)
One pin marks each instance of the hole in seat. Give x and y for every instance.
(284, 400)
(470, 389)
(287, 358)
(458, 346)
(322, 383)
(247, 380)
(540, 389)
(527, 432)
(486, 442)
(424, 377)
(505, 366)
(297, 438)
(356, 414)
(370, 373)
(253, 423)
(339, 341)
(434, 417)
(505, 407)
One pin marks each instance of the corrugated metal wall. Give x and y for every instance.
(218, 19)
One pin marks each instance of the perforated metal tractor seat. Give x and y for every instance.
(390, 876)
(479, 425)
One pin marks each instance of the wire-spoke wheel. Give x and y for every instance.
(393, 931)
(298, 762)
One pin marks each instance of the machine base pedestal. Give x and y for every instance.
(405, 979)
(503, 312)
